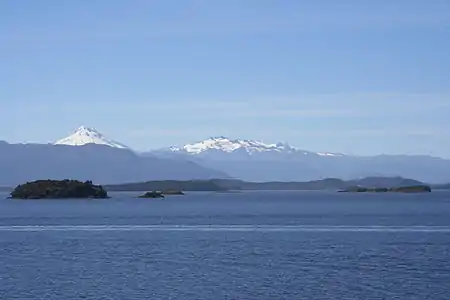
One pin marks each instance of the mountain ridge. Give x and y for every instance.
(89, 135)
(282, 162)
(229, 145)
(99, 163)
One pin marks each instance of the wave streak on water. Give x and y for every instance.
(241, 228)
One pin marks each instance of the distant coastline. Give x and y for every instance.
(405, 189)
(368, 184)
(391, 184)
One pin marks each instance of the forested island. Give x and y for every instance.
(405, 189)
(58, 189)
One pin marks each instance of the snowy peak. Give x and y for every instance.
(225, 144)
(87, 135)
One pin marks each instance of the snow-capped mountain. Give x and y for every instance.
(255, 160)
(86, 135)
(230, 145)
(227, 145)
(258, 161)
(101, 164)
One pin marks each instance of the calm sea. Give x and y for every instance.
(251, 245)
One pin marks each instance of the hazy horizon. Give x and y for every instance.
(353, 77)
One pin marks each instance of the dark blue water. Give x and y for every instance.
(258, 245)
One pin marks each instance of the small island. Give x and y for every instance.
(58, 189)
(153, 194)
(405, 189)
(159, 194)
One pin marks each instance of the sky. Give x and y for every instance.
(357, 77)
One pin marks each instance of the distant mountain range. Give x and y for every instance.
(88, 154)
(257, 161)
(225, 145)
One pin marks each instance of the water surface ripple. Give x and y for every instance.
(257, 245)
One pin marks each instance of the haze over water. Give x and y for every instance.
(251, 245)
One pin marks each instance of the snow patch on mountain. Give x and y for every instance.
(228, 145)
(87, 135)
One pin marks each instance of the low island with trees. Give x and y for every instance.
(161, 194)
(152, 194)
(58, 189)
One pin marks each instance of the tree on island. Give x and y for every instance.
(58, 189)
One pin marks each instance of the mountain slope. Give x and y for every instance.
(86, 135)
(99, 163)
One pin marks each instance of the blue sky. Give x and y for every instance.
(359, 77)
